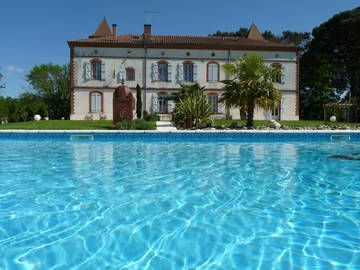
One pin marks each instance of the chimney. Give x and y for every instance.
(114, 27)
(147, 32)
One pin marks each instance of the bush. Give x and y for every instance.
(137, 124)
(152, 117)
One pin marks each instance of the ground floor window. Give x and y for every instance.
(95, 102)
(213, 100)
(162, 103)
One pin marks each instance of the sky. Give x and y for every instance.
(35, 32)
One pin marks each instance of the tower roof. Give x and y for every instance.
(254, 33)
(103, 30)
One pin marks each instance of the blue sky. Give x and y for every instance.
(35, 32)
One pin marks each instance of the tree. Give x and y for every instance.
(253, 85)
(51, 83)
(138, 102)
(192, 104)
(1, 84)
(331, 64)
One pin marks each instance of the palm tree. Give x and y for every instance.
(252, 85)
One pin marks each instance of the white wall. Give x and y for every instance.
(117, 59)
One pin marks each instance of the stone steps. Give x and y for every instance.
(165, 126)
(165, 117)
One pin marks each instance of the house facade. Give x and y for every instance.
(160, 64)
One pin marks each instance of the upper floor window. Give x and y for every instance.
(212, 72)
(163, 71)
(188, 72)
(96, 70)
(95, 102)
(278, 76)
(130, 74)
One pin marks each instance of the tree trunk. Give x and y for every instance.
(250, 113)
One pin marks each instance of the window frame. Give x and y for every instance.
(163, 77)
(130, 70)
(101, 102)
(208, 70)
(191, 65)
(278, 77)
(96, 69)
(214, 105)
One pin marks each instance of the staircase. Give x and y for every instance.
(165, 117)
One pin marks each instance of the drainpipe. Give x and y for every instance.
(144, 79)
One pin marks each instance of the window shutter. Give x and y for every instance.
(282, 75)
(154, 104)
(195, 73)
(180, 72)
(154, 72)
(169, 73)
(282, 108)
(215, 73)
(122, 74)
(221, 107)
(103, 71)
(87, 71)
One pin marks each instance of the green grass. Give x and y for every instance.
(300, 123)
(62, 124)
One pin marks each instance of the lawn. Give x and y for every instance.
(300, 123)
(60, 124)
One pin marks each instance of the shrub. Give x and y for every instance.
(152, 117)
(137, 124)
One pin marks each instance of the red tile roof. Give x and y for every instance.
(103, 37)
(182, 42)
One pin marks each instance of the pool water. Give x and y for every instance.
(182, 205)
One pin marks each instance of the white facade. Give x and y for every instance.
(144, 62)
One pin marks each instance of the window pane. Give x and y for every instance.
(188, 72)
(95, 102)
(130, 75)
(213, 72)
(213, 101)
(163, 72)
(96, 70)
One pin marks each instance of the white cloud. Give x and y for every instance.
(14, 69)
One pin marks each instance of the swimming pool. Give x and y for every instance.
(179, 205)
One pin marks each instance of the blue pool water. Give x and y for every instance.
(181, 205)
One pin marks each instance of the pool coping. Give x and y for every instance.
(178, 131)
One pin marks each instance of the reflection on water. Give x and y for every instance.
(137, 205)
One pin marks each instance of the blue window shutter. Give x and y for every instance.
(103, 71)
(180, 72)
(154, 72)
(87, 72)
(195, 73)
(122, 74)
(282, 75)
(169, 73)
(216, 73)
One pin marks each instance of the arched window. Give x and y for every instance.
(188, 71)
(96, 102)
(278, 77)
(96, 66)
(130, 74)
(213, 100)
(163, 71)
(212, 72)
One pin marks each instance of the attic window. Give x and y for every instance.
(188, 54)
(135, 37)
(276, 55)
(212, 54)
(162, 53)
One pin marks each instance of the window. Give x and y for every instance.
(213, 72)
(278, 77)
(95, 102)
(188, 72)
(130, 74)
(163, 103)
(163, 72)
(96, 70)
(213, 100)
